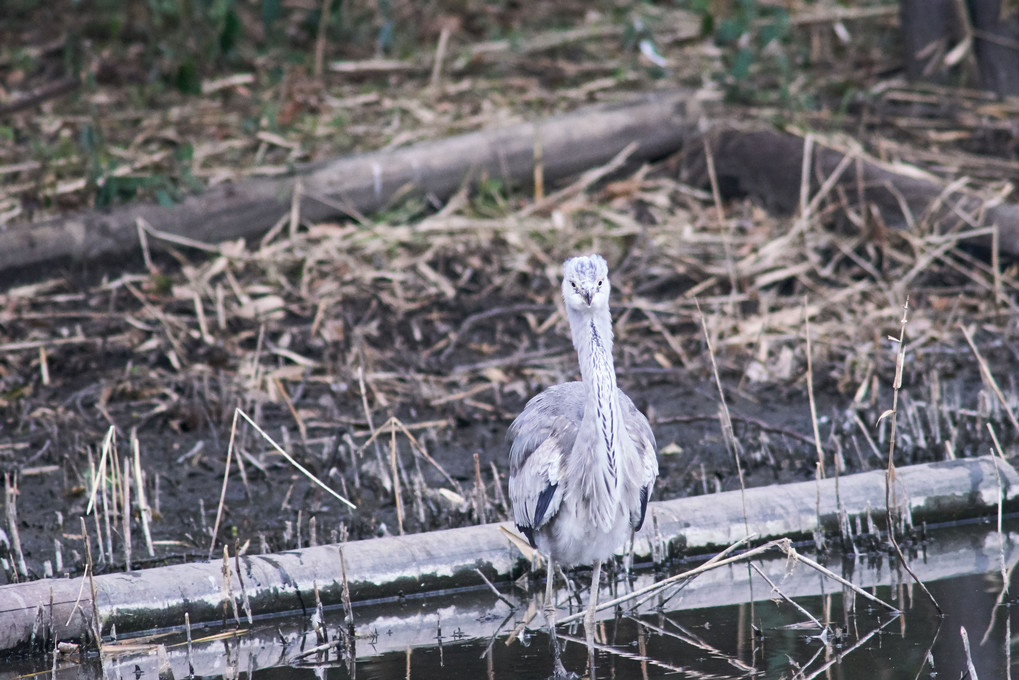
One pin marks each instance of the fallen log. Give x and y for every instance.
(768, 165)
(478, 614)
(362, 184)
(763, 163)
(34, 613)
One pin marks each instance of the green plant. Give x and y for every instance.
(110, 187)
(756, 42)
(184, 40)
(490, 199)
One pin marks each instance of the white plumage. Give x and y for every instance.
(583, 459)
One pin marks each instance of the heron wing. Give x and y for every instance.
(643, 440)
(539, 439)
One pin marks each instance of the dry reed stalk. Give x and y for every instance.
(824, 670)
(416, 446)
(585, 181)
(1008, 648)
(726, 236)
(419, 500)
(810, 391)
(656, 588)
(292, 461)
(996, 264)
(348, 612)
(226, 479)
(495, 591)
(500, 497)
(1003, 569)
(659, 549)
(44, 366)
(125, 515)
(775, 589)
(295, 207)
(866, 435)
(318, 619)
(301, 427)
(189, 655)
(890, 491)
(97, 475)
(104, 497)
(670, 339)
(397, 497)
(144, 511)
(99, 537)
(203, 324)
(116, 497)
(726, 421)
(686, 637)
(969, 658)
(201, 516)
(228, 588)
(789, 550)
(819, 542)
(1001, 498)
(480, 498)
(11, 509)
(988, 377)
(245, 601)
(435, 80)
(807, 160)
(143, 244)
(371, 426)
(94, 624)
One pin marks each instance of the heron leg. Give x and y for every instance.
(550, 597)
(589, 617)
(571, 590)
(560, 670)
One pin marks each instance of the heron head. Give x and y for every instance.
(586, 282)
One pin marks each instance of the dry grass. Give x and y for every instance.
(454, 319)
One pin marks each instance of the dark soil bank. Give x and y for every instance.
(437, 378)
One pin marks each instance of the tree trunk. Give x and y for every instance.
(932, 29)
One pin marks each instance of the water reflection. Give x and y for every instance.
(741, 620)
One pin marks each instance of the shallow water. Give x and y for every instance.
(718, 643)
(727, 622)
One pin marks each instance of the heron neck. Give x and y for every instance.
(592, 337)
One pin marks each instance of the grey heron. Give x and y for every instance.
(583, 459)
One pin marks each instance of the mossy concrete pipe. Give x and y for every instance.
(33, 613)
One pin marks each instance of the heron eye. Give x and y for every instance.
(599, 283)
(574, 284)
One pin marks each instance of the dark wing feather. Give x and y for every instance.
(544, 433)
(544, 498)
(643, 440)
(538, 440)
(645, 493)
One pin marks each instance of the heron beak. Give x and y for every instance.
(588, 295)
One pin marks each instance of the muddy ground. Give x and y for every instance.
(181, 410)
(445, 316)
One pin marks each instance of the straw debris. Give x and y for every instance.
(433, 321)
